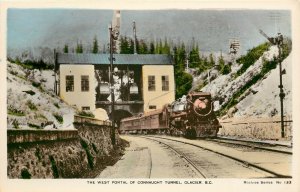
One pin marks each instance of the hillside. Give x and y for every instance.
(252, 93)
(31, 102)
(263, 100)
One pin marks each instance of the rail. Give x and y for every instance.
(248, 164)
(251, 144)
(195, 168)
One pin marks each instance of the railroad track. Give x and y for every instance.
(239, 160)
(150, 164)
(254, 145)
(183, 156)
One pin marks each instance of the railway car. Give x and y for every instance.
(151, 122)
(192, 116)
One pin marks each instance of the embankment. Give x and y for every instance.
(78, 153)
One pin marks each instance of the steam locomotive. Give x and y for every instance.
(191, 116)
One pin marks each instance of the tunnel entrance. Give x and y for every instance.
(119, 115)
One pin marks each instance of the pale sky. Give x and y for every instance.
(212, 29)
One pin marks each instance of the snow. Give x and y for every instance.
(225, 86)
(44, 101)
(262, 99)
(266, 101)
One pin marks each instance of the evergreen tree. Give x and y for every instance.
(142, 47)
(211, 61)
(95, 45)
(152, 48)
(166, 48)
(124, 46)
(194, 58)
(160, 47)
(224, 69)
(131, 46)
(79, 48)
(66, 48)
(183, 80)
(204, 64)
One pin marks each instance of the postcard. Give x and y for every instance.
(164, 95)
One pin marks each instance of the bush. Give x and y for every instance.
(58, 117)
(183, 83)
(54, 167)
(36, 84)
(56, 105)
(15, 112)
(34, 64)
(251, 57)
(34, 126)
(25, 174)
(88, 153)
(86, 114)
(15, 124)
(225, 70)
(31, 105)
(30, 92)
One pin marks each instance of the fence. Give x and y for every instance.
(261, 128)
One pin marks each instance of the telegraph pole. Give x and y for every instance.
(113, 35)
(281, 94)
(278, 41)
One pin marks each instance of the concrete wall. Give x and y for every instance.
(158, 97)
(58, 154)
(263, 128)
(77, 97)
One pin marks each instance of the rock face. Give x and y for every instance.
(261, 99)
(256, 113)
(31, 101)
(58, 153)
(225, 86)
(264, 98)
(59, 159)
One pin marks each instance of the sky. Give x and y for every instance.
(211, 29)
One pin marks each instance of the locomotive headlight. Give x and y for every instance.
(200, 104)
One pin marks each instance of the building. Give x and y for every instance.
(142, 82)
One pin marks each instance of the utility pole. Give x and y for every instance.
(278, 41)
(134, 37)
(113, 36)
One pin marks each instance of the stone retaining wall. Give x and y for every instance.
(57, 153)
(29, 136)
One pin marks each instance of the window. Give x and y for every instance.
(151, 83)
(85, 108)
(84, 83)
(165, 83)
(152, 106)
(69, 83)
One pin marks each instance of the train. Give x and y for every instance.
(191, 116)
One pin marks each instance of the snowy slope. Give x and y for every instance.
(31, 106)
(261, 99)
(225, 86)
(266, 102)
